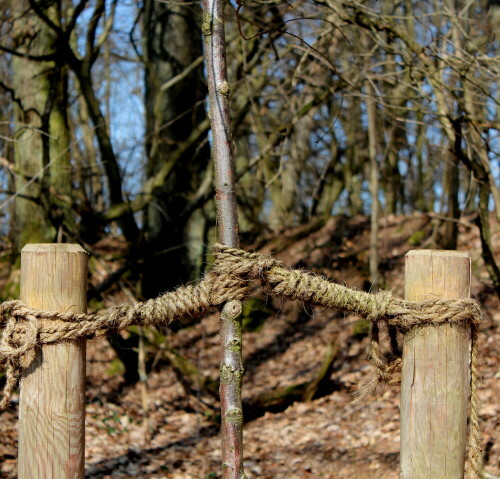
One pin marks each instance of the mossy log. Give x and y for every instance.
(282, 397)
(191, 378)
(278, 399)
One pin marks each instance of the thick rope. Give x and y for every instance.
(24, 328)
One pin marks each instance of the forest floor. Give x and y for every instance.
(163, 429)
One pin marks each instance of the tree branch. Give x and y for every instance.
(56, 28)
(74, 17)
(90, 53)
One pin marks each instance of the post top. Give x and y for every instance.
(437, 252)
(53, 248)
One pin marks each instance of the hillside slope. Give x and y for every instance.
(285, 345)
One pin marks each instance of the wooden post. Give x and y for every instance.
(52, 400)
(435, 384)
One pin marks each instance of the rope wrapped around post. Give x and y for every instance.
(23, 329)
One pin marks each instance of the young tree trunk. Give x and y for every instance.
(231, 370)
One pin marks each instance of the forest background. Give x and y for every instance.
(340, 109)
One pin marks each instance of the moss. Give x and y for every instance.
(361, 328)
(281, 396)
(235, 345)
(234, 415)
(115, 368)
(229, 375)
(254, 315)
(92, 265)
(416, 238)
(36, 232)
(213, 416)
(155, 337)
(12, 288)
(95, 304)
(207, 25)
(476, 268)
(226, 373)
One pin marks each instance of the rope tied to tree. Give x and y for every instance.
(23, 328)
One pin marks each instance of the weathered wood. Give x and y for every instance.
(435, 382)
(52, 402)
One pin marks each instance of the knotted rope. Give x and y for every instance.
(24, 328)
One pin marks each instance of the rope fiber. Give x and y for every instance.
(23, 329)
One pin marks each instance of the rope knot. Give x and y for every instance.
(260, 265)
(233, 270)
(238, 263)
(20, 334)
(390, 372)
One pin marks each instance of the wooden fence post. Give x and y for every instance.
(52, 400)
(435, 382)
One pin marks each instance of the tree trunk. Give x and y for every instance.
(41, 125)
(172, 42)
(448, 236)
(355, 156)
(374, 185)
(108, 156)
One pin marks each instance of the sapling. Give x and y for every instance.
(231, 370)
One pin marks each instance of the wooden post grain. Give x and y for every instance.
(435, 372)
(52, 400)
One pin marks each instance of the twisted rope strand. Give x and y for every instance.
(24, 328)
(475, 463)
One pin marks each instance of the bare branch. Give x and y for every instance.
(40, 12)
(106, 30)
(78, 10)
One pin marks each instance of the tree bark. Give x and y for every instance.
(174, 112)
(374, 185)
(31, 82)
(448, 236)
(231, 369)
